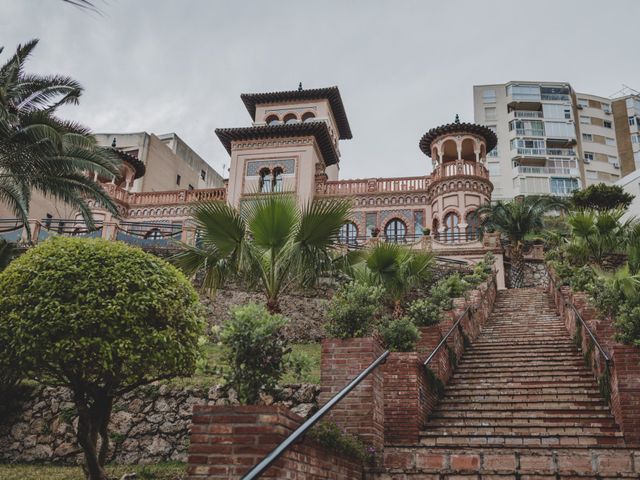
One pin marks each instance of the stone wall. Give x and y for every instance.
(535, 274)
(149, 425)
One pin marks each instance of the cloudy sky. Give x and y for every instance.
(402, 66)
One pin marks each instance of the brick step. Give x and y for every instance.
(488, 396)
(530, 430)
(531, 384)
(443, 463)
(541, 380)
(573, 361)
(522, 402)
(463, 389)
(524, 406)
(519, 346)
(539, 415)
(455, 421)
(556, 352)
(525, 441)
(520, 372)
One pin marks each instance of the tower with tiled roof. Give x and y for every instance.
(293, 140)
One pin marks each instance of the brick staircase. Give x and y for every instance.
(521, 404)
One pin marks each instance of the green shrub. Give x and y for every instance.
(606, 297)
(331, 437)
(100, 318)
(582, 279)
(628, 324)
(400, 335)
(255, 350)
(353, 310)
(455, 285)
(299, 364)
(440, 296)
(425, 312)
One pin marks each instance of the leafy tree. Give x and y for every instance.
(353, 310)
(270, 242)
(601, 197)
(397, 269)
(516, 219)
(255, 348)
(41, 152)
(100, 318)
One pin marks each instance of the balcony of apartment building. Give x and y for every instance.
(562, 167)
(560, 186)
(528, 147)
(528, 97)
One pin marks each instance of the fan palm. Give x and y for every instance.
(397, 269)
(41, 152)
(269, 242)
(516, 219)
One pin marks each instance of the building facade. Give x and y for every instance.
(553, 140)
(292, 146)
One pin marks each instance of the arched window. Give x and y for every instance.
(451, 221)
(395, 231)
(473, 225)
(290, 118)
(272, 120)
(308, 117)
(265, 180)
(277, 179)
(153, 234)
(348, 233)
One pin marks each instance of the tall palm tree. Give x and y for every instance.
(269, 242)
(41, 152)
(397, 269)
(516, 219)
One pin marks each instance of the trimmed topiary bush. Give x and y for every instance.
(101, 318)
(353, 310)
(400, 335)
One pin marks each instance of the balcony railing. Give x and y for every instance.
(523, 170)
(451, 169)
(527, 114)
(555, 97)
(536, 132)
(456, 236)
(541, 152)
(169, 197)
(375, 185)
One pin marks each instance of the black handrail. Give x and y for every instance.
(261, 467)
(453, 327)
(579, 316)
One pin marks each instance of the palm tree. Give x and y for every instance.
(397, 269)
(41, 152)
(270, 242)
(516, 219)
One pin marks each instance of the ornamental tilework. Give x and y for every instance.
(386, 215)
(254, 166)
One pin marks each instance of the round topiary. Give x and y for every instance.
(100, 318)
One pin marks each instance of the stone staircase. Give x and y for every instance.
(521, 404)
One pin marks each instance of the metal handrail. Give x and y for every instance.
(579, 316)
(453, 327)
(261, 467)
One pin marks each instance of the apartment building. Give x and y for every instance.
(626, 113)
(551, 139)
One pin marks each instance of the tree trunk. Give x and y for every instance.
(517, 267)
(273, 305)
(93, 421)
(398, 311)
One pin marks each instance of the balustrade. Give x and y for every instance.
(452, 169)
(373, 185)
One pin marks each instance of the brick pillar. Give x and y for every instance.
(362, 411)
(625, 391)
(226, 442)
(408, 399)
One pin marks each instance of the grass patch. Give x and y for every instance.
(214, 359)
(160, 471)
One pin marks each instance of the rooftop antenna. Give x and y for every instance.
(300, 87)
(624, 92)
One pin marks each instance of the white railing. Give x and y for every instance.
(555, 97)
(527, 114)
(536, 132)
(522, 170)
(563, 152)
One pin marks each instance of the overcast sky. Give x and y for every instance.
(402, 66)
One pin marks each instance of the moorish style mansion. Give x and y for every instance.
(292, 145)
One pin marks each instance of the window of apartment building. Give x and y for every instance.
(178, 178)
(527, 143)
(524, 92)
(607, 124)
(587, 137)
(632, 121)
(560, 129)
(203, 175)
(494, 169)
(556, 112)
(606, 107)
(583, 102)
(563, 186)
(489, 96)
(612, 159)
(610, 141)
(635, 138)
(585, 120)
(589, 156)
(490, 113)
